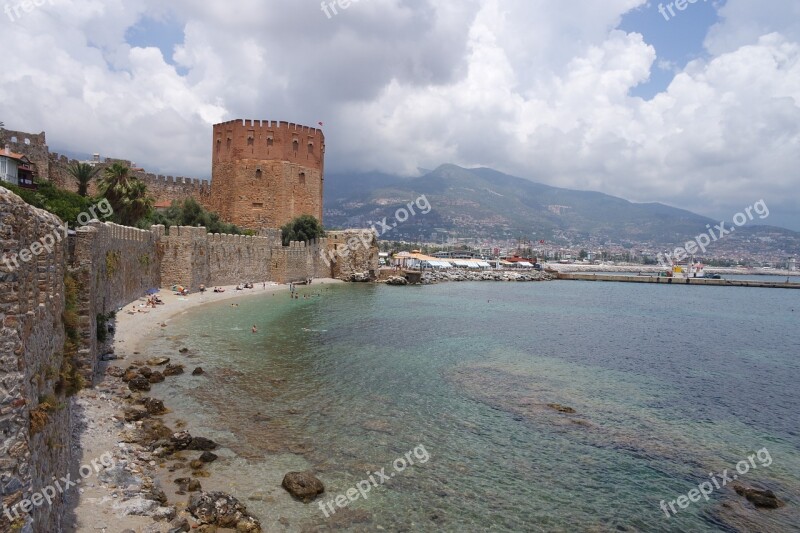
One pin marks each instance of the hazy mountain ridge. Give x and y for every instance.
(486, 203)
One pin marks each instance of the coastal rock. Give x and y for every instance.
(222, 510)
(145, 371)
(179, 525)
(154, 407)
(198, 371)
(193, 486)
(156, 377)
(359, 277)
(758, 497)
(139, 384)
(184, 350)
(157, 361)
(397, 280)
(303, 485)
(561, 408)
(173, 370)
(115, 371)
(133, 414)
(202, 444)
(208, 457)
(180, 440)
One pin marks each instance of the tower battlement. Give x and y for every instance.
(266, 172)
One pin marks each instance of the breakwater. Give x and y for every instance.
(678, 281)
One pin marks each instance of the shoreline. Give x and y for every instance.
(138, 493)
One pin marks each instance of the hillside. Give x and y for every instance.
(484, 203)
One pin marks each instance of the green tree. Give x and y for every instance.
(303, 228)
(83, 173)
(126, 194)
(583, 254)
(190, 213)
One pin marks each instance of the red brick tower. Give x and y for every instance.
(265, 173)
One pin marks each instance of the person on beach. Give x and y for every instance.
(255, 329)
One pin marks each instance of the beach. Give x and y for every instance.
(113, 500)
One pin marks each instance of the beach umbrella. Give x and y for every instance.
(150, 292)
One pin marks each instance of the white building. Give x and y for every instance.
(15, 168)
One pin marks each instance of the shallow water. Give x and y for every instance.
(668, 384)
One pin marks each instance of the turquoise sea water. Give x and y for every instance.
(668, 385)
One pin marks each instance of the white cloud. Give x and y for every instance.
(523, 86)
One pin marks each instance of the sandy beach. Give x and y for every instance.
(112, 500)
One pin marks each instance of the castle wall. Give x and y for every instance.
(33, 145)
(352, 253)
(113, 265)
(31, 355)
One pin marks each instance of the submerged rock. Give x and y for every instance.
(561, 408)
(758, 497)
(173, 370)
(156, 377)
(303, 485)
(157, 361)
(198, 371)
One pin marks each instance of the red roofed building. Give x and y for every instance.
(16, 169)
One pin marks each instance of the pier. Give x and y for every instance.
(678, 281)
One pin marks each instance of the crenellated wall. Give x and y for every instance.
(34, 415)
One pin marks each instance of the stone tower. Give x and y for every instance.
(265, 173)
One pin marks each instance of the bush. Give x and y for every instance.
(190, 213)
(63, 204)
(303, 228)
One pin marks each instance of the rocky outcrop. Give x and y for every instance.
(222, 510)
(485, 275)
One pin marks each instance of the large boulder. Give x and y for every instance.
(303, 485)
(222, 510)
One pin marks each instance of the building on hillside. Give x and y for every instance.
(16, 169)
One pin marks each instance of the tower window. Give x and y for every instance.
(229, 143)
(310, 148)
(249, 141)
(258, 173)
(219, 144)
(302, 178)
(269, 141)
(295, 145)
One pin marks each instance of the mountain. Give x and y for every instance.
(484, 203)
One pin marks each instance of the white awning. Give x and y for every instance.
(525, 264)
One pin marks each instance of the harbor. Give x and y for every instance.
(772, 284)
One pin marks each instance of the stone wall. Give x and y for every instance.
(112, 266)
(43, 339)
(352, 254)
(34, 415)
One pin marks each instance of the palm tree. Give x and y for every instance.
(126, 194)
(83, 173)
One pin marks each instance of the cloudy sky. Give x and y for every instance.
(698, 108)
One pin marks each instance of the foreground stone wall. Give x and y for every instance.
(34, 415)
(48, 319)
